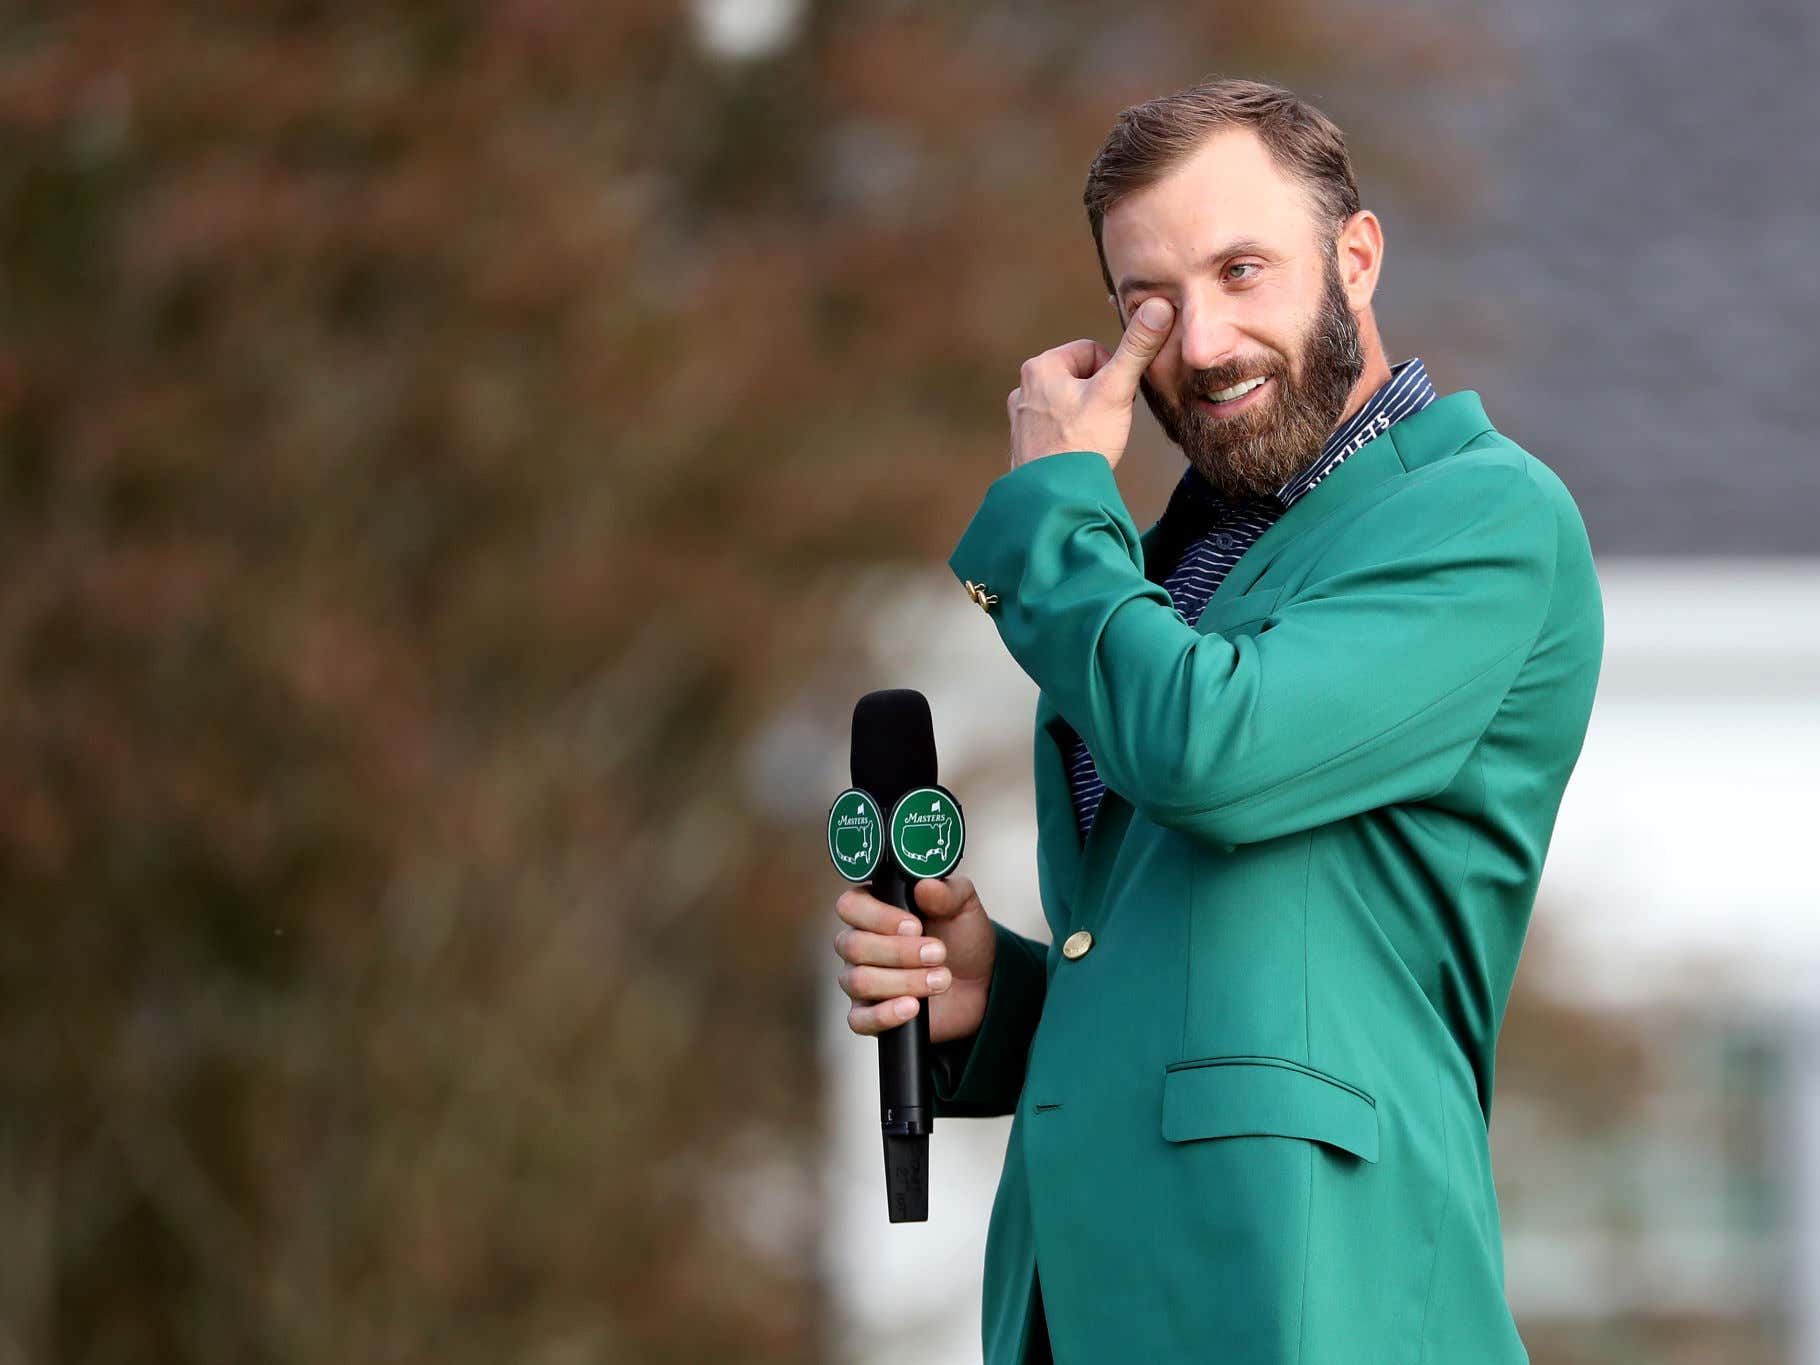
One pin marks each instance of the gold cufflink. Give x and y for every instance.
(977, 591)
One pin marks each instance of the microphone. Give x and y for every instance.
(893, 765)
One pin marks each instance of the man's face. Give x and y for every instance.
(1235, 244)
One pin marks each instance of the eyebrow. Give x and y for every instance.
(1241, 247)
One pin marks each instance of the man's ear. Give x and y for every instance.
(1359, 247)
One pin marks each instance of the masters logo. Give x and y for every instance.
(856, 835)
(926, 832)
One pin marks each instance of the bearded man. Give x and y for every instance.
(1299, 751)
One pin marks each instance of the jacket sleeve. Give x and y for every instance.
(1369, 684)
(982, 1076)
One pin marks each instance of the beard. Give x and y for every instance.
(1255, 452)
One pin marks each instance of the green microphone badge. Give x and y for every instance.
(856, 835)
(927, 832)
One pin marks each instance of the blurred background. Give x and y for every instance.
(459, 465)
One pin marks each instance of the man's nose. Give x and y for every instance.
(1208, 335)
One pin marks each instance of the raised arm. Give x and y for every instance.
(1370, 683)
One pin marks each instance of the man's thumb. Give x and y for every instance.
(1144, 337)
(944, 897)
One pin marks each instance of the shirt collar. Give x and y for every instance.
(1408, 390)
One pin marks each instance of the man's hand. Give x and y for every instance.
(890, 964)
(1079, 396)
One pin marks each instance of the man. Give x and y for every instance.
(1299, 750)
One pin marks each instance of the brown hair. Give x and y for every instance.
(1151, 139)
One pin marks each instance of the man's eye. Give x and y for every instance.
(1241, 265)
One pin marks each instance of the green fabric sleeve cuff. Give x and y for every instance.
(1076, 484)
(982, 1076)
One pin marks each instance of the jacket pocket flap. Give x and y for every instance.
(1212, 1097)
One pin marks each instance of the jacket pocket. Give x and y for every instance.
(1215, 1097)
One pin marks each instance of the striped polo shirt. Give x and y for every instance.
(1217, 531)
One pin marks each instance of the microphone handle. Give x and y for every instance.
(907, 1114)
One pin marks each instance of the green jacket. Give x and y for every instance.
(1250, 1120)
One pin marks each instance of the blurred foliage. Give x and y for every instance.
(1637, 1144)
(434, 439)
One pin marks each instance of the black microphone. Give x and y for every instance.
(894, 771)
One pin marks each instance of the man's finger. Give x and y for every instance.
(1145, 336)
(944, 897)
(867, 912)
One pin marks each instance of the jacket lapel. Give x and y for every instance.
(1443, 426)
(1366, 467)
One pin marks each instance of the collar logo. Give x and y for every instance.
(856, 835)
(927, 832)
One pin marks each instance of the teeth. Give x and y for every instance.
(1225, 395)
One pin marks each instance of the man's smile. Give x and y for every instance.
(1235, 399)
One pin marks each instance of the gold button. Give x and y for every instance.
(977, 591)
(1077, 944)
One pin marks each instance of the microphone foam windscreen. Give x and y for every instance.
(893, 744)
